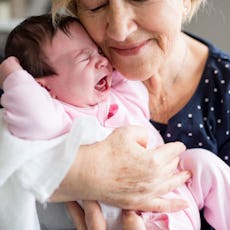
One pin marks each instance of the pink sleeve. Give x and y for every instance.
(30, 112)
(133, 92)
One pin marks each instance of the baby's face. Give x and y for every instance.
(83, 75)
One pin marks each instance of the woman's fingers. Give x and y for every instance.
(77, 214)
(93, 216)
(163, 205)
(167, 152)
(132, 221)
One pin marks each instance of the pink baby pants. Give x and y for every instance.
(208, 189)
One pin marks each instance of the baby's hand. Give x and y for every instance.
(8, 66)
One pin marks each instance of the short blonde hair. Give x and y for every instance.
(195, 6)
(70, 7)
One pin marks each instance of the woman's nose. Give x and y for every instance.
(120, 20)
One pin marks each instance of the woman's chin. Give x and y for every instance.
(137, 74)
(142, 70)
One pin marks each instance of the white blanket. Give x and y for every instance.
(32, 170)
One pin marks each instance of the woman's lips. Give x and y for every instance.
(131, 49)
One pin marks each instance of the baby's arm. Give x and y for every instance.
(30, 112)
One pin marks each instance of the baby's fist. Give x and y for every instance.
(8, 66)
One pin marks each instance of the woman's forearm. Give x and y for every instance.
(74, 186)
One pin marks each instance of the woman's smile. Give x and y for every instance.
(131, 49)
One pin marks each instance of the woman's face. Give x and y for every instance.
(137, 36)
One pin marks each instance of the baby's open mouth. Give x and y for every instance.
(102, 85)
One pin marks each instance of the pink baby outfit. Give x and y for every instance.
(32, 114)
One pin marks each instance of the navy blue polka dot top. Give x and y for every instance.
(205, 121)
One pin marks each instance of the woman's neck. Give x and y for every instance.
(172, 88)
(161, 103)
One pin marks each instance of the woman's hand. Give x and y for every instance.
(8, 66)
(120, 171)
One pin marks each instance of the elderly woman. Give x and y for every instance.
(188, 83)
(186, 76)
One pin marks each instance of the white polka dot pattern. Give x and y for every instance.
(205, 120)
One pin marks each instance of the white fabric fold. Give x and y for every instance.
(32, 170)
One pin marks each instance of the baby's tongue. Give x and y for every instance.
(101, 85)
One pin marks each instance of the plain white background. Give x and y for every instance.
(213, 23)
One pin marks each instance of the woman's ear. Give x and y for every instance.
(187, 4)
(44, 82)
(187, 7)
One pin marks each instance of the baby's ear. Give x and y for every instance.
(44, 82)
